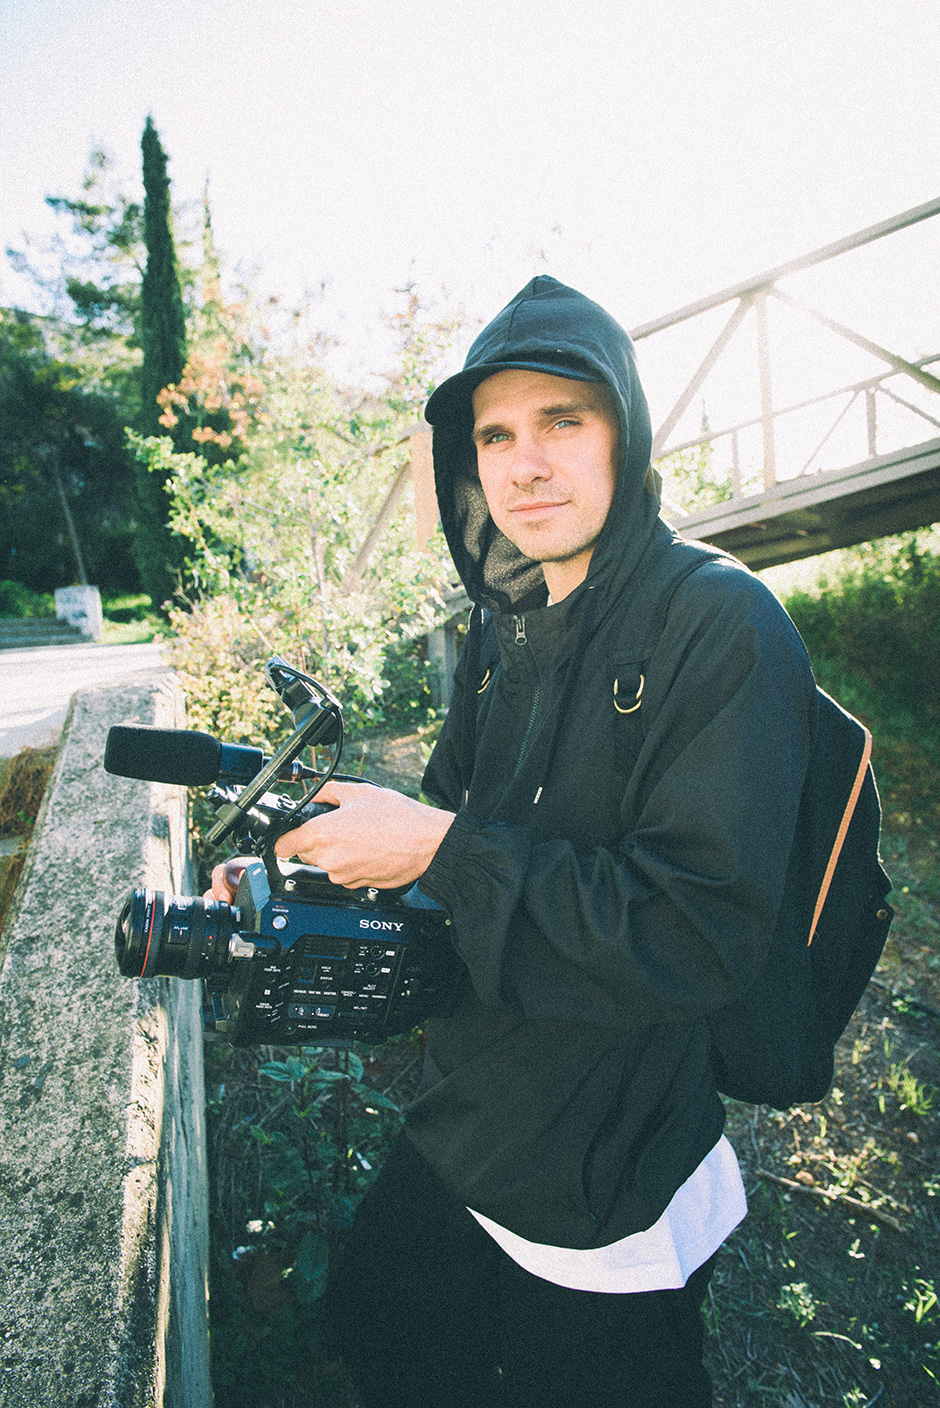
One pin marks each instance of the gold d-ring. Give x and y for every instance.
(638, 700)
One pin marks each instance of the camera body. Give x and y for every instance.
(294, 960)
(308, 964)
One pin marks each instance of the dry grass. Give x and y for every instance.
(22, 789)
(22, 785)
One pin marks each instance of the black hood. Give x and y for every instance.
(549, 328)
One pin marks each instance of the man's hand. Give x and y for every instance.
(225, 879)
(376, 837)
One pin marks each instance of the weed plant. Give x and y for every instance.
(297, 1137)
(826, 1292)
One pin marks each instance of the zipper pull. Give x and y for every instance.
(520, 630)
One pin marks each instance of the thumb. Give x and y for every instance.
(233, 871)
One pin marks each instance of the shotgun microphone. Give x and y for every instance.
(188, 759)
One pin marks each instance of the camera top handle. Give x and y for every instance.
(318, 718)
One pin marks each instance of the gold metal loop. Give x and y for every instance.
(486, 680)
(637, 700)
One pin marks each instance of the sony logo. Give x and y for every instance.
(381, 924)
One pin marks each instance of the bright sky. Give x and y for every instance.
(648, 155)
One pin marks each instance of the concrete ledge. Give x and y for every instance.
(103, 1207)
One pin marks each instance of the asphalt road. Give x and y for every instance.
(37, 684)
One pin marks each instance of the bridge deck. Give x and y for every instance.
(837, 508)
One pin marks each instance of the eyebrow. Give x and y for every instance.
(560, 408)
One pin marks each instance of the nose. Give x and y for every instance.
(529, 463)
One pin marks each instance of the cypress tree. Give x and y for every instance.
(159, 551)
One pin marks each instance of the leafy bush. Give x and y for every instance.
(284, 556)
(19, 601)
(305, 1131)
(873, 638)
(879, 621)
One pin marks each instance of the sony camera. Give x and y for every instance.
(295, 960)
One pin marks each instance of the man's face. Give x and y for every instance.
(547, 458)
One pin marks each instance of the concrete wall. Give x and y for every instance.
(103, 1208)
(81, 607)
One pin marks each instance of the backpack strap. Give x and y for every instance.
(659, 574)
(843, 831)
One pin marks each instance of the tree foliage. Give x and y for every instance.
(88, 280)
(162, 317)
(59, 439)
(112, 287)
(691, 479)
(276, 531)
(160, 553)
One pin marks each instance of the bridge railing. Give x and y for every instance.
(756, 452)
(857, 414)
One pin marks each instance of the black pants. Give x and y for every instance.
(429, 1312)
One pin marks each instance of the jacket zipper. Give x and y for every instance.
(533, 712)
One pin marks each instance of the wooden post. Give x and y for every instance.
(422, 477)
(871, 418)
(766, 395)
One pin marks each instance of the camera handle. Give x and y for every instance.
(318, 716)
(309, 879)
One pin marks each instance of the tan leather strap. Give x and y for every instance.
(841, 834)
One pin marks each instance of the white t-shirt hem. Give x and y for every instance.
(700, 1216)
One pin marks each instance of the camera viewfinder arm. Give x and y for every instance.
(318, 718)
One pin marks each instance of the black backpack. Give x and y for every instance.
(776, 1044)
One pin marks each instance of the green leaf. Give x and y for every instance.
(324, 1078)
(377, 1100)
(311, 1267)
(287, 1072)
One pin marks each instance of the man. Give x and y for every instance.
(617, 784)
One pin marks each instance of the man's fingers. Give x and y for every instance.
(298, 842)
(225, 879)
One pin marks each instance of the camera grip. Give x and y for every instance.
(311, 810)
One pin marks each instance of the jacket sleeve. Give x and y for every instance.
(673, 920)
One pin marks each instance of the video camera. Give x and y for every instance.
(295, 960)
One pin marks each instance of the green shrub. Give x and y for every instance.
(874, 639)
(19, 601)
(124, 609)
(880, 621)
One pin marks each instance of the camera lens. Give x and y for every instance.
(175, 936)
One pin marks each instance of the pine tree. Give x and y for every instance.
(160, 552)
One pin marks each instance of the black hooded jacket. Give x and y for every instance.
(614, 872)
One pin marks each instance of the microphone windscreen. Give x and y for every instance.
(163, 755)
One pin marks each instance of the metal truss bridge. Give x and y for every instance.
(795, 476)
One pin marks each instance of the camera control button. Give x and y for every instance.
(279, 921)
